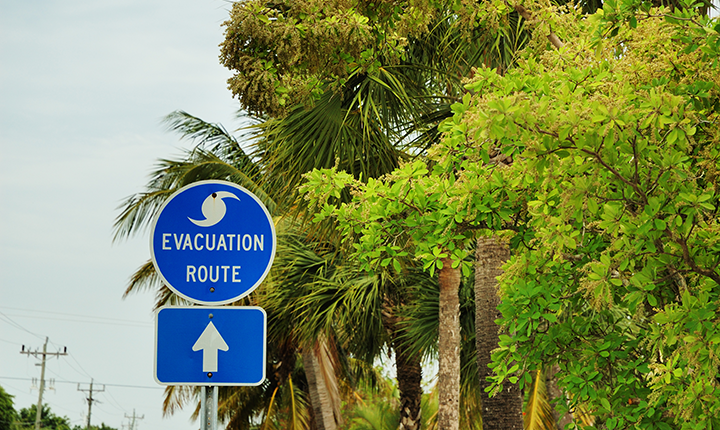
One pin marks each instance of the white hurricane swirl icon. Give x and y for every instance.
(213, 209)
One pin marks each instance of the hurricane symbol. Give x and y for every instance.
(213, 209)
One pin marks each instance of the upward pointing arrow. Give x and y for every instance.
(210, 342)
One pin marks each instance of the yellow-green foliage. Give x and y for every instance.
(283, 53)
(614, 142)
(599, 161)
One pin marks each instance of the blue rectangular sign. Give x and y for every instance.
(210, 345)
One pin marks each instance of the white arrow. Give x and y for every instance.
(210, 342)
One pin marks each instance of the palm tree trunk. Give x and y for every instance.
(408, 371)
(504, 410)
(409, 378)
(324, 393)
(556, 395)
(449, 348)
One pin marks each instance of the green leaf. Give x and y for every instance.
(605, 404)
(397, 266)
(652, 300)
(660, 224)
(611, 423)
(592, 205)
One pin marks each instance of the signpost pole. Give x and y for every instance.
(208, 407)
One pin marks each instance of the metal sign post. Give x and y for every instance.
(208, 407)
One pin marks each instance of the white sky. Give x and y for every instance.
(84, 85)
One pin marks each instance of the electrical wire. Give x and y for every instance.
(94, 382)
(18, 326)
(83, 318)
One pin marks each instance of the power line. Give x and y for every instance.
(77, 382)
(110, 400)
(44, 354)
(84, 318)
(17, 325)
(80, 366)
(88, 320)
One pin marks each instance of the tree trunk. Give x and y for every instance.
(449, 348)
(504, 410)
(408, 373)
(555, 395)
(324, 395)
(409, 377)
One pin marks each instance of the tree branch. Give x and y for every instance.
(527, 16)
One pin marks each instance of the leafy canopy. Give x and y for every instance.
(8, 415)
(287, 54)
(599, 163)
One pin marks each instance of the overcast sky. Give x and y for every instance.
(84, 85)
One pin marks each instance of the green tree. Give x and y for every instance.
(608, 204)
(26, 419)
(8, 415)
(377, 408)
(394, 75)
(220, 156)
(621, 244)
(101, 427)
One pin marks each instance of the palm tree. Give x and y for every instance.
(376, 110)
(504, 410)
(297, 266)
(449, 341)
(219, 155)
(364, 128)
(359, 311)
(372, 112)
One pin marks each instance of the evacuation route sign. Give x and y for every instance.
(203, 345)
(213, 242)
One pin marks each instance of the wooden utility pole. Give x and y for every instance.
(90, 399)
(131, 425)
(43, 354)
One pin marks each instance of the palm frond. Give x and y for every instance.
(217, 156)
(144, 278)
(212, 137)
(538, 413)
(350, 307)
(299, 418)
(269, 411)
(138, 211)
(176, 396)
(322, 135)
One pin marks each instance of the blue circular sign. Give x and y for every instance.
(213, 242)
